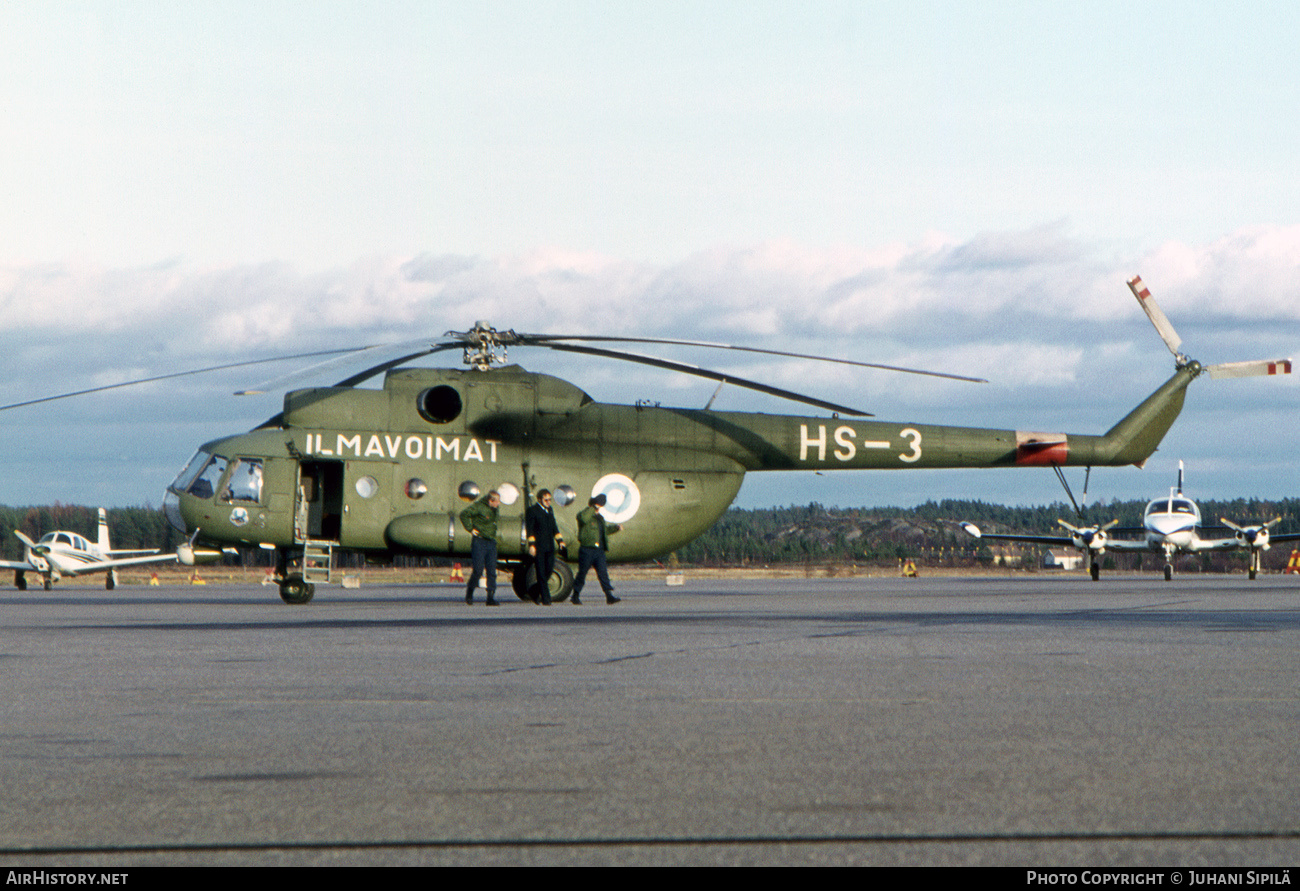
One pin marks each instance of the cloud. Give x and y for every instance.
(1045, 317)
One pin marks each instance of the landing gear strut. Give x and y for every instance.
(293, 587)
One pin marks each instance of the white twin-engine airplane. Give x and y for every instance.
(1171, 525)
(60, 554)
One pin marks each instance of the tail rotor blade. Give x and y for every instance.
(1257, 368)
(1156, 315)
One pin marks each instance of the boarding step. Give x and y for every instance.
(317, 561)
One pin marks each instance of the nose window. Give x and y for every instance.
(205, 485)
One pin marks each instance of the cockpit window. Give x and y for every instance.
(205, 484)
(187, 475)
(1182, 507)
(245, 483)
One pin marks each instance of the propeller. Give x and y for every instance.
(1093, 538)
(1167, 333)
(40, 550)
(35, 554)
(1252, 536)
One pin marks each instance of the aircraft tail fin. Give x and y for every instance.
(104, 546)
(1180, 477)
(1136, 437)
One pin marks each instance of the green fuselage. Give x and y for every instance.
(389, 470)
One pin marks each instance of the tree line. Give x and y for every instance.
(810, 533)
(931, 532)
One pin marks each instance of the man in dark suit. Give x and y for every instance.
(543, 540)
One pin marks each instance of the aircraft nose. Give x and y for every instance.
(172, 509)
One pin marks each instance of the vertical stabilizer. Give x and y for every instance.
(1180, 477)
(104, 546)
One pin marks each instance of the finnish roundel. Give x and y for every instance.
(622, 497)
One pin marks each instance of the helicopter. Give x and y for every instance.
(387, 471)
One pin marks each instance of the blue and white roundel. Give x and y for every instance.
(622, 497)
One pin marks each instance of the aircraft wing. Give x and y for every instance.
(102, 565)
(1216, 544)
(1127, 544)
(1059, 540)
(20, 565)
(1068, 541)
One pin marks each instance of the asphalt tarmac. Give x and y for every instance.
(1041, 720)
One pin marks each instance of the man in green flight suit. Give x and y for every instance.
(592, 530)
(480, 518)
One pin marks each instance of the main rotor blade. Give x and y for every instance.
(706, 373)
(1250, 369)
(1156, 315)
(549, 340)
(348, 356)
(165, 377)
(370, 372)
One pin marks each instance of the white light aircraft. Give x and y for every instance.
(1170, 524)
(60, 554)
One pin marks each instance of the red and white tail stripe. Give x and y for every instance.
(1250, 369)
(1157, 317)
(1141, 291)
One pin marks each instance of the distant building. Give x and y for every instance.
(1006, 556)
(1067, 560)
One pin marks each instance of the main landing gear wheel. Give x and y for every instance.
(294, 590)
(20, 580)
(519, 581)
(1094, 570)
(1169, 572)
(561, 580)
(110, 580)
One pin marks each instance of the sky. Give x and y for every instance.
(954, 186)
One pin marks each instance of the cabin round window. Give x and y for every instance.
(564, 495)
(416, 489)
(439, 405)
(367, 486)
(468, 490)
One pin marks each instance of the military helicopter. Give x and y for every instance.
(387, 471)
